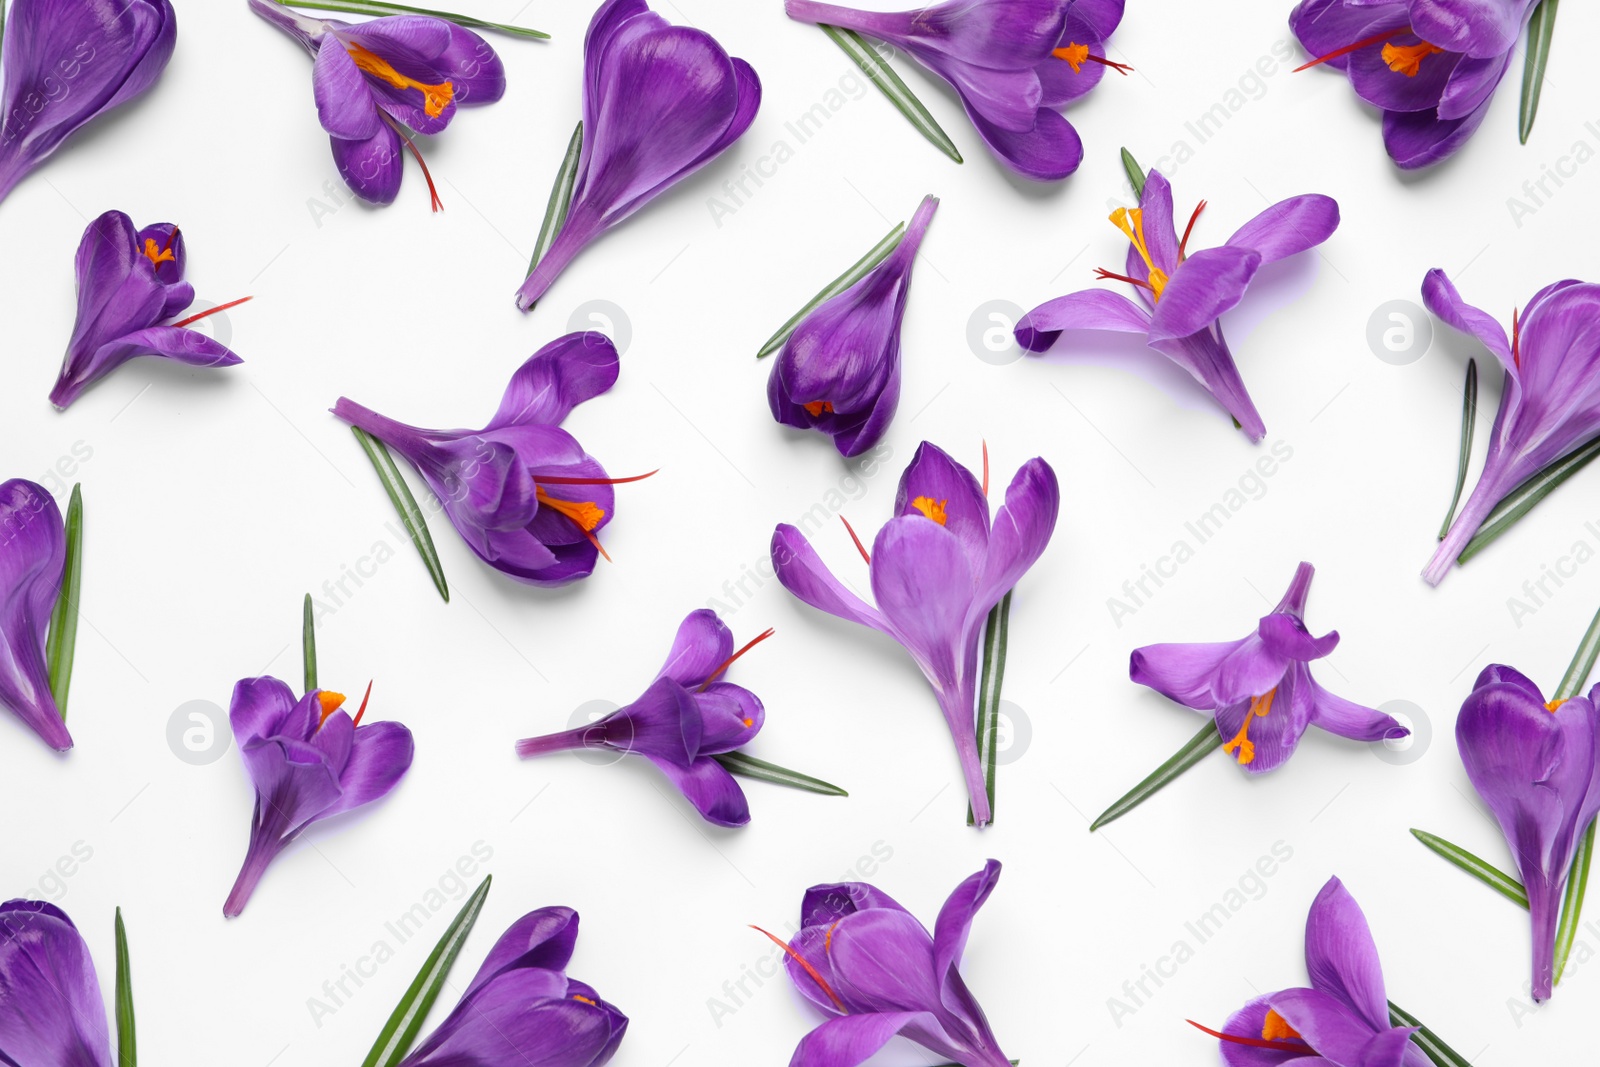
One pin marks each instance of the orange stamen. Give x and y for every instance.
(1131, 222)
(156, 254)
(584, 513)
(210, 311)
(827, 938)
(805, 965)
(1259, 707)
(1407, 58)
(1276, 1028)
(933, 509)
(586, 1000)
(362, 710)
(1075, 55)
(817, 408)
(331, 702)
(1553, 706)
(435, 98)
(986, 468)
(714, 675)
(1365, 42)
(1187, 230)
(859, 546)
(1254, 1042)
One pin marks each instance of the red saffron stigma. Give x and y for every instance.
(438, 205)
(171, 237)
(805, 965)
(598, 547)
(986, 468)
(210, 311)
(1377, 38)
(1253, 1042)
(362, 710)
(1121, 68)
(1106, 275)
(859, 546)
(1187, 230)
(752, 643)
(551, 479)
(1516, 340)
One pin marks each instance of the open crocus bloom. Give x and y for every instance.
(685, 718)
(51, 1014)
(839, 372)
(33, 552)
(1183, 296)
(375, 80)
(65, 62)
(659, 102)
(1342, 1019)
(309, 761)
(1432, 66)
(937, 569)
(130, 282)
(1550, 400)
(861, 957)
(1012, 62)
(522, 1009)
(1259, 688)
(1537, 765)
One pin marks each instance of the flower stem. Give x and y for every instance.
(256, 860)
(1578, 875)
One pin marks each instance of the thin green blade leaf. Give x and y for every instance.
(1469, 419)
(62, 643)
(560, 202)
(406, 504)
(1572, 903)
(749, 767)
(308, 644)
(1485, 872)
(379, 7)
(1582, 664)
(400, 1032)
(858, 270)
(1521, 500)
(995, 635)
(1199, 747)
(1136, 175)
(127, 1054)
(1428, 1041)
(883, 76)
(1541, 30)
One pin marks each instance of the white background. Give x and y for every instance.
(215, 499)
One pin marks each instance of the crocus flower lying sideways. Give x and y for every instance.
(1537, 765)
(1183, 296)
(936, 569)
(65, 62)
(1259, 688)
(864, 959)
(522, 1008)
(659, 102)
(1012, 62)
(1431, 66)
(686, 717)
(839, 372)
(375, 80)
(1549, 404)
(33, 552)
(309, 761)
(522, 492)
(1342, 1020)
(130, 282)
(51, 1014)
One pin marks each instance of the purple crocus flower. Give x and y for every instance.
(1549, 403)
(522, 1008)
(1342, 1019)
(1012, 62)
(1259, 688)
(309, 761)
(130, 282)
(839, 372)
(1183, 297)
(384, 77)
(867, 961)
(522, 492)
(937, 569)
(1431, 66)
(683, 720)
(659, 102)
(64, 62)
(50, 1008)
(1537, 765)
(33, 553)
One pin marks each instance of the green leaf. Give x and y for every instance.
(62, 642)
(308, 644)
(406, 504)
(749, 767)
(858, 270)
(883, 76)
(1541, 29)
(1199, 747)
(127, 1054)
(400, 1032)
(1521, 500)
(1572, 904)
(1469, 419)
(1582, 664)
(1136, 175)
(1485, 872)
(379, 7)
(560, 202)
(1439, 1052)
(995, 635)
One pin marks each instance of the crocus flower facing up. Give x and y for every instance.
(1259, 688)
(867, 961)
(1431, 66)
(374, 81)
(522, 1008)
(937, 569)
(1182, 297)
(33, 553)
(51, 1014)
(1342, 1019)
(686, 717)
(1549, 403)
(309, 761)
(1012, 62)
(839, 372)
(130, 283)
(659, 102)
(522, 492)
(1536, 763)
(65, 62)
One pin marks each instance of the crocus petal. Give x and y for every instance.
(259, 708)
(1247, 1022)
(345, 106)
(1049, 152)
(502, 1023)
(1325, 26)
(703, 644)
(851, 1040)
(1022, 530)
(946, 487)
(52, 1012)
(380, 755)
(373, 167)
(1346, 718)
(730, 717)
(1341, 956)
(955, 918)
(1477, 27)
(1060, 85)
(557, 378)
(1273, 736)
(1187, 673)
(922, 582)
(542, 939)
(1442, 298)
(1416, 139)
(1381, 86)
(1207, 284)
(1286, 636)
(885, 961)
(32, 558)
(1471, 85)
(1289, 227)
(1159, 226)
(474, 68)
(1092, 309)
(714, 792)
(1326, 1022)
(802, 572)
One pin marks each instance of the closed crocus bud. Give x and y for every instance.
(51, 1013)
(33, 548)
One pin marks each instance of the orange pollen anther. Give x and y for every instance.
(331, 702)
(435, 98)
(586, 514)
(1407, 58)
(827, 938)
(817, 408)
(586, 1000)
(1275, 1028)
(1075, 55)
(1131, 222)
(933, 509)
(157, 254)
(1554, 705)
(1259, 706)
